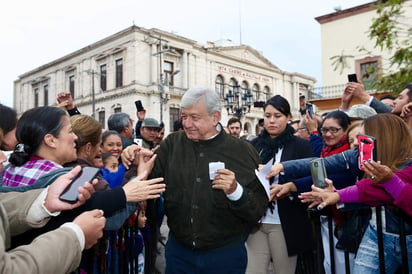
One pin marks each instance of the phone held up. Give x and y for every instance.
(139, 105)
(87, 174)
(352, 78)
(309, 108)
(367, 149)
(318, 171)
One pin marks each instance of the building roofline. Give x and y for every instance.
(346, 13)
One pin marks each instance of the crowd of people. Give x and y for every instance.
(222, 218)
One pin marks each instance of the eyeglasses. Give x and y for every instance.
(332, 130)
(301, 128)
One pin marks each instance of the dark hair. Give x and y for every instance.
(387, 96)
(107, 133)
(261, 121)
(33, 125)
(234, 120)
(161, 126)
(409, 87)
(342, 118)
(280, 103)
(105, 156)
(118, 121)
(8, 118)
(177, 125)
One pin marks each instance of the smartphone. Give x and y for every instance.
(87, 174)
(309, 108)
(367, 149)
(318, 171)
(352, 78)
(139, 105)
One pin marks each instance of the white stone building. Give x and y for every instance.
(156, 67)
(345, 33)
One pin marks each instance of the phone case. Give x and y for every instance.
(352, 77)
(318, 171)
(87, 174)
(367, 149)
(309, 108)
(139, 105)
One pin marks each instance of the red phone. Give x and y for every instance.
(367, 149)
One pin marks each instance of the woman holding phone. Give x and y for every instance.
(394, 150)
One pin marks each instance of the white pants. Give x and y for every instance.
(339, 254)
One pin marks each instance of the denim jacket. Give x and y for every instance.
(338, 163)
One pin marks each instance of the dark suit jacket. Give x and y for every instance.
(293, 215)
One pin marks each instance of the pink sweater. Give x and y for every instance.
(396, 191)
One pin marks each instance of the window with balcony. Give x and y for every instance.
(36, 97)
(71, 85)
(46, 95)
(220, 86)
(103, 77)
(257, 95)
(173, 116)
(168, 70)
(102, 118)
(119, 73)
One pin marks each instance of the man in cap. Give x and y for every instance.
(148, 132)
(360, 112)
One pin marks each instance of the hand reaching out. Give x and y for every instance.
(321, 196)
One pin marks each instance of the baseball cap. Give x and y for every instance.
(361, 112)
(150, 122)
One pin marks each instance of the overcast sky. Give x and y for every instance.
(285, 32)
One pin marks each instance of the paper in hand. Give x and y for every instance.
(213, 167)
(262, 176)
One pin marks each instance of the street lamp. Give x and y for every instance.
(238, 102)
(163, 96)
(93, 73)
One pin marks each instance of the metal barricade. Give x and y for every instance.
(402, 217)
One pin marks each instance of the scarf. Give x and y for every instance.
(342, 145)
(268, 147)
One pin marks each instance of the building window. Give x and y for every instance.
(368, 69)
(169, 73)
(257, 95)
(71, 85)
(119, 73)
(117, 109)
(46, 95)
(103, 77)
(36, 97)
(173, 116)
(102, 118)
(266, 93)
(220, 86)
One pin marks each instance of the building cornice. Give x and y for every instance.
(346, 13)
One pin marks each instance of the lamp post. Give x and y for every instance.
(163, 96)
(93, 73)
(238, 102)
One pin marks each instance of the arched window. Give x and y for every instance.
(256, 93)
(244, 87)
(220, 86)
(266, 93)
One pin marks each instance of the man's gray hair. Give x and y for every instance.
(117, 121)
(193, 95)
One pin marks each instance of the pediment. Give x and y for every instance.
(245, 54)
